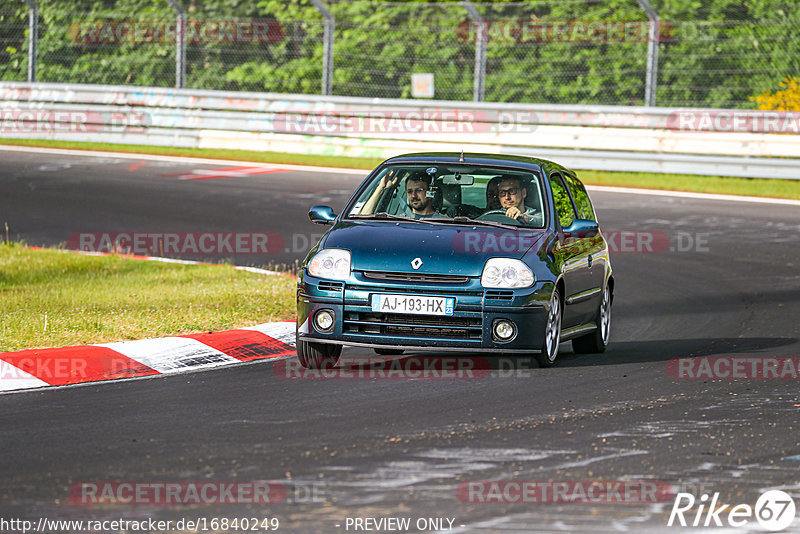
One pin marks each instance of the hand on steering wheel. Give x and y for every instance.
(517, 214)
(492, 215)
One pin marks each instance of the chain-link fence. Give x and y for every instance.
(714, 53)
(13, 42)
(720, 54)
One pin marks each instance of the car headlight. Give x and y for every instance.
(506, 273)
(330, 263)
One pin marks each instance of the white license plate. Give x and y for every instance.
(413, 304)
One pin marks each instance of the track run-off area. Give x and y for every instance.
(701, 284)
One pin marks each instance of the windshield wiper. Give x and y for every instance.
(436, 220)
(476, 222)
(383, 215)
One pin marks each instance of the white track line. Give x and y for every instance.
(182, 159)
(695, 196)
(255, 270)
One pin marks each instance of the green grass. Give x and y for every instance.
(54, 298)
(756, 187)
(672, 182)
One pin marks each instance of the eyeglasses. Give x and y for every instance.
(512, 192)
(418, 191)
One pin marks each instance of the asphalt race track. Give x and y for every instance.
(725, 281)
(47, 199)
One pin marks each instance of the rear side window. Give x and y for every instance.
(581, 197)
(566, 213)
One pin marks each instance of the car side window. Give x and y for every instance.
(566, 212)
(581, 198)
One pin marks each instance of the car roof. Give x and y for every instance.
(506, 160)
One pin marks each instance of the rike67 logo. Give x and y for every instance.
(774, 511)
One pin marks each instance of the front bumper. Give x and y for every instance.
(469, 328)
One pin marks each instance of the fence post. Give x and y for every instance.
(480, 51)
(180, 44)
(33, 38)
(651, 80)
(327, 46)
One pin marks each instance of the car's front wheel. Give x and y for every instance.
(317, 355)
(552, 333)
(597, 341)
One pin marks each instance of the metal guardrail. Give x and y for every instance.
(583, 137)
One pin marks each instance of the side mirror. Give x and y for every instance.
(321, 214)
(581, 228)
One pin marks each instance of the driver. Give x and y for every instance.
(511, 194)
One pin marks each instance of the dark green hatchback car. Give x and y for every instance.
(459, 252)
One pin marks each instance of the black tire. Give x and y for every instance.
(388, 352)
(318, 355)
(597, 341)
(552, 333)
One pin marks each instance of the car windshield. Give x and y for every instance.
(453, 193)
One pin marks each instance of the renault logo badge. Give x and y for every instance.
(416, 263)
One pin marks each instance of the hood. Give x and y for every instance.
(459, 250)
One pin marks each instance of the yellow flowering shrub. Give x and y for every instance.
(786, 99)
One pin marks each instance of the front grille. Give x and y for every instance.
(499, 294)
(414, 290)
(417, 277)
(421, 326)
(326, 285)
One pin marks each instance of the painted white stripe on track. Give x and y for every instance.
(255, 270)
(283, 332)
(12, 378)
(179, 159)
(694, 196)
(172, 354)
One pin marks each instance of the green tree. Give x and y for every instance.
(715, 53)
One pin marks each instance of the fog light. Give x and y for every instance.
(503, 330)
(323, 320)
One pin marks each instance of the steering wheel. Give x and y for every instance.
(464, 210)
(498, 216)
